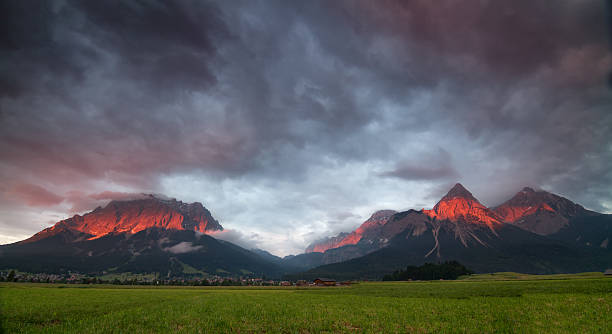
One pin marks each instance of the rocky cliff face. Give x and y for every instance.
(134, 216)
(459, 204)
(458, 214)
(368, 230)
(459, 209)
(460, 228)
(327, 243)
(539, 211)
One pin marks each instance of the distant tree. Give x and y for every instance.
(448, 270)
(11, 276)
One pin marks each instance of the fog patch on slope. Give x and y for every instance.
(182, 247)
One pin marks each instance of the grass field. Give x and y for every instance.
(567, 305)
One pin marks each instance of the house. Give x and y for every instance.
(285, 283)
(608, 272)
(301, 283)
(324, 282)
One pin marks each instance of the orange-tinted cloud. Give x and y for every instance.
(34, 195)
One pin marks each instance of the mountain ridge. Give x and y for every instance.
(539, 211)
(377, 219)
(458, 204)
(167, 235)
(459, 225)
(144, 235)
(135, 215)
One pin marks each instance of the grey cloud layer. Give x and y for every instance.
(120, 95)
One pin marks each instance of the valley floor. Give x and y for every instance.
(568, 304)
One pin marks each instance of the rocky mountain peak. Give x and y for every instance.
(539, 211)
(460, 204)
(382, 214)
(134, 215)
(529, 201)
(370, 226)
(458, 190)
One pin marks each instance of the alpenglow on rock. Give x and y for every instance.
(378, 219)
(540, 211)
(133, 216)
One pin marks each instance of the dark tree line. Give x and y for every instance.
(448, 270)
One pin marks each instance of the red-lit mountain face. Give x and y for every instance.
(459, 205)
(134, 216)
(457, 220)
(147, 235)
(457, 214)
(368, 230)
(461, 228)
(539, 211)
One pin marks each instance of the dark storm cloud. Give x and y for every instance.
(512, 37)
(109, 80)
(429, 172)
(163, 44)
(285, 93)
(67, 39)
(436, 166)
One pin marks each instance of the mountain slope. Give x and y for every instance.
(467, 219)
(367, 231)
(134, 216)
(461, 228)
(367, 238)
(539, 211)
(558, 218)
(460, 204)
(518, 251)
(167, 252)
(145, 235)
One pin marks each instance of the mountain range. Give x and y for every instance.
(151, 234)
(533, 232)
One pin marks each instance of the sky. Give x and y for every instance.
(295, 120)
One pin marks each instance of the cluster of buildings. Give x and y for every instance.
(12, 276)
(77, 278)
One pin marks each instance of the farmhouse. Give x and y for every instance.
(608, 272)
(325, 282)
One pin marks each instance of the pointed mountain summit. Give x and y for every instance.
(133, 216)
(460, 228)
(539, 211)
(460, 204)
(458, 220)
(458, 190)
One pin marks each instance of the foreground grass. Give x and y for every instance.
(505, 276)
(576, 305)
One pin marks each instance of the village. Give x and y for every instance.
(78, 278)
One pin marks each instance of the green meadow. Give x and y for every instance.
(501, 303)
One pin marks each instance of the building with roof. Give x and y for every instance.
(324, 282)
